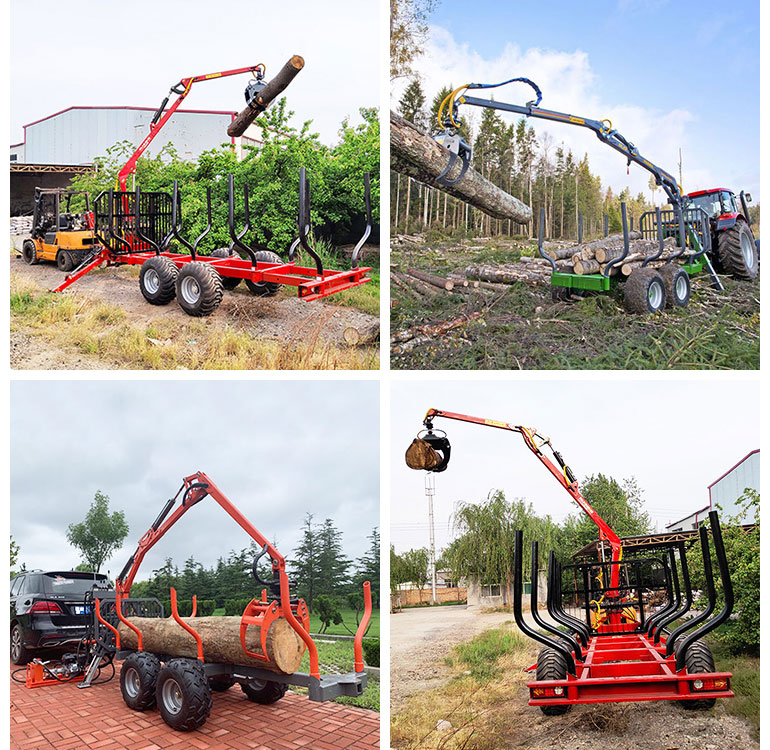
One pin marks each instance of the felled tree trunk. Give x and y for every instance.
(221, 639)
(588, 250)
(417, 155)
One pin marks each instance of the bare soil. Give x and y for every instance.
(283, 318)
(421, 638)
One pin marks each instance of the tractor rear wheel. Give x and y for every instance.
(199, 288)
(264, 691)
(228, 282)
(183, 694)
(551, 666)
(138, 677)
(29, 252)
(738, 252)
(265, 288)
(157, 280)
(645, 291)
(699, 659)
(677, 282)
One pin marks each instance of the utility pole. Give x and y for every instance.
(681, 182)
(430, 491)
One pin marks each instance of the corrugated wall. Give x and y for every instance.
(728, 489)
(77, 136)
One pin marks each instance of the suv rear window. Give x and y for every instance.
(72, 584)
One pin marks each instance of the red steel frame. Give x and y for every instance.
(629, 667)
(616, 668)
(309, 285)
(186, 85)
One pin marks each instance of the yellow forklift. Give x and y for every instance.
(58, 234)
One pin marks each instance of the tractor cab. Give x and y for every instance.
(62, 228)
(737, 250)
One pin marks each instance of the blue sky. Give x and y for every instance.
(624, 57)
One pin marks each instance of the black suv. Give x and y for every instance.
(48, 610)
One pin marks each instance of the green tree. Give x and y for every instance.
(412, 105)
(620, 505)
(327, 610)
(742, 551)
(100, 534)
(333, 565)
(304, 562)
(368, 568)
(14, 555)
(416, 563)
(408, 32)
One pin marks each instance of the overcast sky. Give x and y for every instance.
(675, 438)
(658, 69)
(91, 53)
(277, 449)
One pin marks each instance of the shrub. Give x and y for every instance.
(372, 651)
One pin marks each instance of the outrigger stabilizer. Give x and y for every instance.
(108, 608)
(606, 641)
(681, 222)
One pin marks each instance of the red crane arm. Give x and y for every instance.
(182, 89)
(562, 473)
(194, 489)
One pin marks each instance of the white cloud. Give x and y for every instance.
(569, 84)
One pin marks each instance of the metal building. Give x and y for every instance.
(725, 492)
(77, 135)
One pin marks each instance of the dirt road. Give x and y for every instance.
(282, 319)
(421, 638)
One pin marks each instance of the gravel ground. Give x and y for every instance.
(420, 638)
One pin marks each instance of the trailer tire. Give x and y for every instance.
(183, 695)
(157, 280)
(220, 684)
(264, 691)
(138, 678)
(228, 282)
(738, 252)
(551, 666)
(645, 291)
(29, 252)
(697, 660)
(677, 282)
(199, 288)
(265, 288)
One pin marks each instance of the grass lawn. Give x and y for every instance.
(745, 683)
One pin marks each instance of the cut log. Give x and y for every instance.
(361, 335)
(221, 638)
(583, 267)
(588, 250)
(429, 278)
(417, 155)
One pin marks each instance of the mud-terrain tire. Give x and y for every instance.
(228, 282)
(265, 288)
(29, 252)
(199, 288)
(645, 291)
(183, 694)
(698, 660)
(551, 666)
(138, 679)
(157, 280)
(64, 261)
(677, 282)
(738, 252)
(264, 691)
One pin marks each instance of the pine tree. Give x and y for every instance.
(304, 566)
(368, 567)
(412, 105)
(332, 564)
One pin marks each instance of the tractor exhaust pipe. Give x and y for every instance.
(262, 100)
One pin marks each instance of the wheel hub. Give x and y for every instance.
(191, 290)
(151, 280)
(131, 682)
(655, 295)
(680, 287)
(171, 694)
(747, 249)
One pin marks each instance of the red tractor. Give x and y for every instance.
(736, 250)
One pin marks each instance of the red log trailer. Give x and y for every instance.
(620, 649)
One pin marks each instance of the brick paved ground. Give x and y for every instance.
(65, 718)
